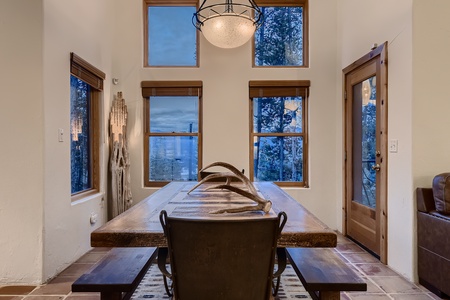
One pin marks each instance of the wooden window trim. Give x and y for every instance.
(163, 88)
(171, 88)
(146, 4)
(292, 3)
(273, 88)
(93, 77)
(86, 72)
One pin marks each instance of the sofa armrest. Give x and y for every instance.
(425, 200)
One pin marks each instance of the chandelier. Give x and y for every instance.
(228, 25)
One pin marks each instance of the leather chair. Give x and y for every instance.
(222, 259)
(433, 235)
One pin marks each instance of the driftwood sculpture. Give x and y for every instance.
(251, 193)
(119, 157)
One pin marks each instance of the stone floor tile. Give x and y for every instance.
(360, 257)
(61, 288)
(372, 287)
(422, 296)
(366, 296)
(377, 269)
(76, 270)
(100, 249)
(16, 289)
(343, 240)
(83, 297)
(45, 297)
(344, 296)
(396, 284)
(90, 258)
(349, 248)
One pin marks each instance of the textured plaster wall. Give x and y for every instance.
(431, 105)
(21, 146)
(85, 28)
(42, 230)
(361, 25)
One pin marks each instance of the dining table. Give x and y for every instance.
(140, 225)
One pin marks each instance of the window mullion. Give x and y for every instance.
(278, 134)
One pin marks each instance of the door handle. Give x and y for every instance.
(376, 167)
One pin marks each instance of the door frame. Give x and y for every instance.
(380, 54)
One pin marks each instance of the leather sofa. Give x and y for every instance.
(433, 235)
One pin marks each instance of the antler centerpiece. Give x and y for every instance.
(251, 193)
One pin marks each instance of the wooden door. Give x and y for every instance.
(365, 95)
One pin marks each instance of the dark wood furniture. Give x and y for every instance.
(323, 273)
(225, 259)
(433, 243)
(118, 274)
(140, 227)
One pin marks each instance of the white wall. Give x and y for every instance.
(82, 27)
(363, 23)
(225, 75)
(21, 146)
(431, 104)
(42, 230)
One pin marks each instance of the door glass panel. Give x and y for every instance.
(364, 142)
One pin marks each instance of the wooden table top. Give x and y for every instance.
(140, 227)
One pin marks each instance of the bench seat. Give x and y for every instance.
(323, 273)
(120, 271)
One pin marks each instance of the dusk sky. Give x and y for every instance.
(173, 114)
(172, 37)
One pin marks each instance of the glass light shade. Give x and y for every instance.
(228, 30)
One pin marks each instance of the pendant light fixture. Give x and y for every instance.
(228, 25)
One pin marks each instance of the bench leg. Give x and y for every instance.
(111, 295)
(329, 295)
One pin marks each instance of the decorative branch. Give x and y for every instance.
(119, 157)
(252, 193)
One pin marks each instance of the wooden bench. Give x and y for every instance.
(120, 271)
(323, 273)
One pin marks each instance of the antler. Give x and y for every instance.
(252, 194)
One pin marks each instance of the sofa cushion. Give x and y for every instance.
(441, 192)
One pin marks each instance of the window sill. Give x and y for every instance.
(87, 196)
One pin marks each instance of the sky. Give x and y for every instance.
(172, 36)
(173, 114)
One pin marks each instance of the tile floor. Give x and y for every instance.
(382, 282)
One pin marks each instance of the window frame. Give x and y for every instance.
(92, 76)
(281, 88)
(146, 5)
(169, 88)
(286, 3)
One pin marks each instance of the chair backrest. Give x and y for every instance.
(222, 259)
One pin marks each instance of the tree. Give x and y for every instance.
(278, 158)
(368, 153)
(279, 40)
(80, 146)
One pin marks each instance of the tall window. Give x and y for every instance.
(170, 38)
(278, 132)
(86, 83)
(282, 40)
(173, 127)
